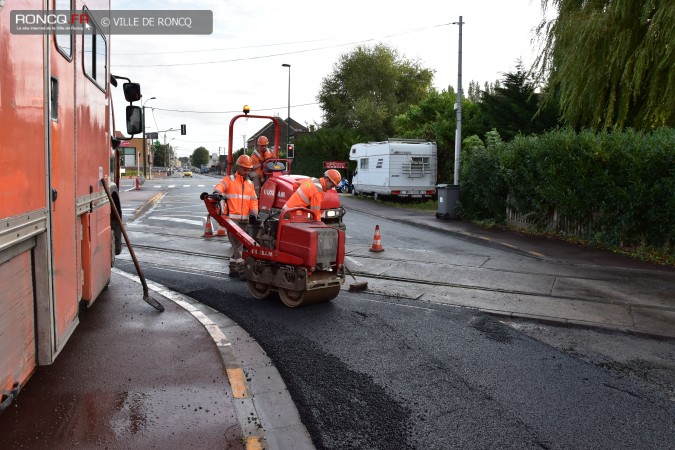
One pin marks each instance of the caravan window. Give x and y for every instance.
(417, 166)
(363, 163)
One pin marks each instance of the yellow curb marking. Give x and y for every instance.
(253, 443)
(537, 254)
(238, 382)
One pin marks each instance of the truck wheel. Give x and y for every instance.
(112, 248)
(116, 231)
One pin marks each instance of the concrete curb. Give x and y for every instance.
(258, 395)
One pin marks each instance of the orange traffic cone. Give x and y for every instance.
(208, 229)
(377, 241)
(221, 231)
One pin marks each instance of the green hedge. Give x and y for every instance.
(620, 186)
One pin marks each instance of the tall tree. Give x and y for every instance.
(514, 106)
(611, 62)
(369, 87)
(473, 92)
(200, 157)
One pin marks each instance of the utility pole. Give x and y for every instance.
(288, 124)
(458, 106)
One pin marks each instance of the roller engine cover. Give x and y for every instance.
(314, 242)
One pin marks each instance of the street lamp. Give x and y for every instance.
(168, 155)
(288, 123)
(145, 143)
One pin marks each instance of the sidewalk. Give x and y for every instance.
(631, 295)
(132, 377)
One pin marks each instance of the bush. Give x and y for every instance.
(616, 188)
(483, 187)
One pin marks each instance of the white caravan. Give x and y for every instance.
(397, 167)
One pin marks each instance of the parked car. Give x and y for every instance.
(187, 173)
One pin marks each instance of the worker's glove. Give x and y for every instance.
(217, 196)
(253, 219)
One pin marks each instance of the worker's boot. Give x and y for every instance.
(234, 271)
(240, 269)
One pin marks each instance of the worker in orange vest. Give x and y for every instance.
(311, 191)
(242, 206)
(258, 158)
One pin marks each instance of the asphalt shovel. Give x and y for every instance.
(357, 286)
(146, 298)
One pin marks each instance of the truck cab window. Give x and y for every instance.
(95, 54)
(64, 42)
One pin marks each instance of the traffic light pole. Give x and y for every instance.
(145, 142)
(145, 149)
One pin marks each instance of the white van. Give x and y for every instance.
(396, 167)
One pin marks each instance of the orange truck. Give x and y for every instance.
(58, 238)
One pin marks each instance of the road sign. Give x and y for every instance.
(335, 164)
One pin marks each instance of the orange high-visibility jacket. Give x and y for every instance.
(240, 195)
(309, 195)
(259, 159)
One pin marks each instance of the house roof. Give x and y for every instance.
(268, 131)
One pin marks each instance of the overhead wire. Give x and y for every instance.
(234, 111)
(284, 53)
(223, 49)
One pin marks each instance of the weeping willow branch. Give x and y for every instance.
(611, 63)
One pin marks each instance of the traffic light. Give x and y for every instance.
(290, 151)
(183, 130)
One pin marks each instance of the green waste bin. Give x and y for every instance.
(448, 201)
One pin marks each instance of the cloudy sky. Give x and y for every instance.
(204, 80)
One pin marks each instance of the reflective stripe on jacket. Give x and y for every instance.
(258, 160)
(240, 195)
(309, 195)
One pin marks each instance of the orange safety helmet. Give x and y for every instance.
(333, 175)
(262, 140)
(245, 162)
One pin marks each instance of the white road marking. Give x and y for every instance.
(157, 186)
(186, 185)
(172, 185)
(353, 260)
(176, 219)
